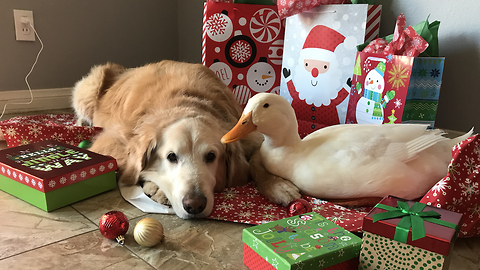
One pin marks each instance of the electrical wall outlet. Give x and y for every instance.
(23, 29)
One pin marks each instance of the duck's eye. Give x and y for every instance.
(210, 157)
(172, 157)
(266, 105)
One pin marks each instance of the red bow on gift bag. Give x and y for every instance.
(405, 41)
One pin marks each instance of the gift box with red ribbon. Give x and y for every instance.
(408, 234)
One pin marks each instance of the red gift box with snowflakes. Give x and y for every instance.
(28, 129)
(243, 45)
(51, 174)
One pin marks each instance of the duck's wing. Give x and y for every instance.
(406, 151)
(401, 142)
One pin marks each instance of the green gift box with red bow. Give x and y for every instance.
(402, 234)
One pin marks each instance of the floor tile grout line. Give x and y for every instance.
(46, 245)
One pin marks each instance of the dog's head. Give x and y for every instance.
(189, 163)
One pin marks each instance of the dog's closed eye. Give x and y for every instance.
(210, 157)
(172, 157)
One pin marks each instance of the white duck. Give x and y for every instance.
(346, 161)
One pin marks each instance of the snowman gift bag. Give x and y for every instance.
(391, 84)
(318, 60)
(243, 45)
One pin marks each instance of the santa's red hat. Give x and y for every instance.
(321, 43)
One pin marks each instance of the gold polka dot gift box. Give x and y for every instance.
(51, 174)
(401, 234)
(308, 241)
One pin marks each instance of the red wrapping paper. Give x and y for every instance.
(459, 190)
(23, 130)
(287, 8)
(438, 238)
(246, 205)
(405, 42)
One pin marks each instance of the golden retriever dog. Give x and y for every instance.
(163, 122)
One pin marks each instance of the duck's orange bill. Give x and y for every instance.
(240, 130)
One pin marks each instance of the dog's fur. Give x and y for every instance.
(163, 123)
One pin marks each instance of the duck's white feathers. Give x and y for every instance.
(352, 161)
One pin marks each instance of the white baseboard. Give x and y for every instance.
(43, 99)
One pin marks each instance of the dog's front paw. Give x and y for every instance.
(160, 198)
(151, 190)
(278, 190)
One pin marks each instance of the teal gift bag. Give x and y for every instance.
(423, 90)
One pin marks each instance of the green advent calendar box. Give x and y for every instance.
(307, 241)
(51, 174)
(400, 234)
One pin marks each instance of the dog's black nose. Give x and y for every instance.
(194, 203)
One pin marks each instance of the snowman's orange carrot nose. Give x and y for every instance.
(266, 77)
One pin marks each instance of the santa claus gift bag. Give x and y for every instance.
(319, 56)
(243, 45)
(392, 84)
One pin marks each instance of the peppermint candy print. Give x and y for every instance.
(459, 190)
(265, 25)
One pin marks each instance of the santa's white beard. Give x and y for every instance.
(320, 90)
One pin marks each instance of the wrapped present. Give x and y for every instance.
(51, 174)
(23, 130)
(317, 67)
(243, 45)
(459, 190)
(400, 234)
(307, 241)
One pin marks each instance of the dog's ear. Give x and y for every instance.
(237, 170)
(221, 174)
(139, 152)
(149, 152)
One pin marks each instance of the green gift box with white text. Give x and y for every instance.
(307, 241)
(51, 174)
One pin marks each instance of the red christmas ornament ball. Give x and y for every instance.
(114, 224)
(298, 207)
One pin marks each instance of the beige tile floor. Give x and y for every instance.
(68, 238)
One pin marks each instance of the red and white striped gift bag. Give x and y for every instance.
(373, 22)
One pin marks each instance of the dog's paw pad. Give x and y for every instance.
(160, 198)
(150, 188)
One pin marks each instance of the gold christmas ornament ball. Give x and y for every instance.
(148, 232)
